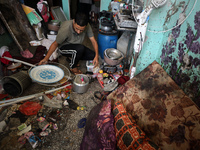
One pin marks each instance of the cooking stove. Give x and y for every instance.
(112, 69)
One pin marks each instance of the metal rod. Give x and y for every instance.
(16, 60)
(17, 100)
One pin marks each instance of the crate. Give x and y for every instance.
(89, 66)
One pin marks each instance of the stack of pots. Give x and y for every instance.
(113, 56)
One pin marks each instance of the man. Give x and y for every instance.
(69, 41)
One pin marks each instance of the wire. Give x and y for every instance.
(170, 28)
(133, 12)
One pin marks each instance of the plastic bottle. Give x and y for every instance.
(100, 77)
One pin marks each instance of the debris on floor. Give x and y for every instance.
(28, 124)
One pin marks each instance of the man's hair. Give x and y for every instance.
(81, 19)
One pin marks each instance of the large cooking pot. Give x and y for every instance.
(113, 56)
(80, 83)
(54, 25)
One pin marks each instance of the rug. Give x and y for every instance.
(161, 109)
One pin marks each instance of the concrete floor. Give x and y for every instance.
(69, 135)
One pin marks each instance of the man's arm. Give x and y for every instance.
(95, 45)
(52, 48)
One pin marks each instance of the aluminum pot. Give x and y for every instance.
(106, 28)
(113, 61)
(80, 83)
(55, 22)
(54, 25)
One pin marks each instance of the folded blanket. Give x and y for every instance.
(99, 130)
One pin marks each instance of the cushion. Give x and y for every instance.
(128, 133)
(161, 109)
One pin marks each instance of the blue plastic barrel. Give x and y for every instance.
(105, 42)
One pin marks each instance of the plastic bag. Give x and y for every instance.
(30, 108)
(44, 10)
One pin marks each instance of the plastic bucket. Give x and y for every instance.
(15, 84)
(105, 42)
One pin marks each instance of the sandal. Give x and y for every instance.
(76, 71)
(101, 95)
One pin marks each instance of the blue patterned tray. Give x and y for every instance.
(46, 74)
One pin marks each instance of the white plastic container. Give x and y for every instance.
(89, 65)
(122, 43)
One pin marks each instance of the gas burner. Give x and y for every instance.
(112, 69)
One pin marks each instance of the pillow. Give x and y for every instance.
(129, 136)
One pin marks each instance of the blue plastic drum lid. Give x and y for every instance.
(105, 42)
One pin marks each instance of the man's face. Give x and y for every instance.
(78, 29)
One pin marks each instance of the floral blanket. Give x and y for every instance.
(161, 109)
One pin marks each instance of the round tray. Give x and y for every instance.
(50, 74)
(46, 74)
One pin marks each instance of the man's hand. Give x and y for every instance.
(96, 61)
(43, 61)
(95, 45)
(52, 48)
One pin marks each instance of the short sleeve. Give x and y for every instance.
(89, 31)
(62, 34)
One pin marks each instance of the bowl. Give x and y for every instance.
(113, 56)
(113, 53)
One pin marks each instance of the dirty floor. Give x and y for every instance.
(67, 135)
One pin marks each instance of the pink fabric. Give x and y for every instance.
(27, 54)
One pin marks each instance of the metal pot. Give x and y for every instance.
(113, 56)
(106, 28)
(55, 22)
(80, 83)
(54, 25)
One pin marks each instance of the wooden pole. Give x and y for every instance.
(17, 23)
